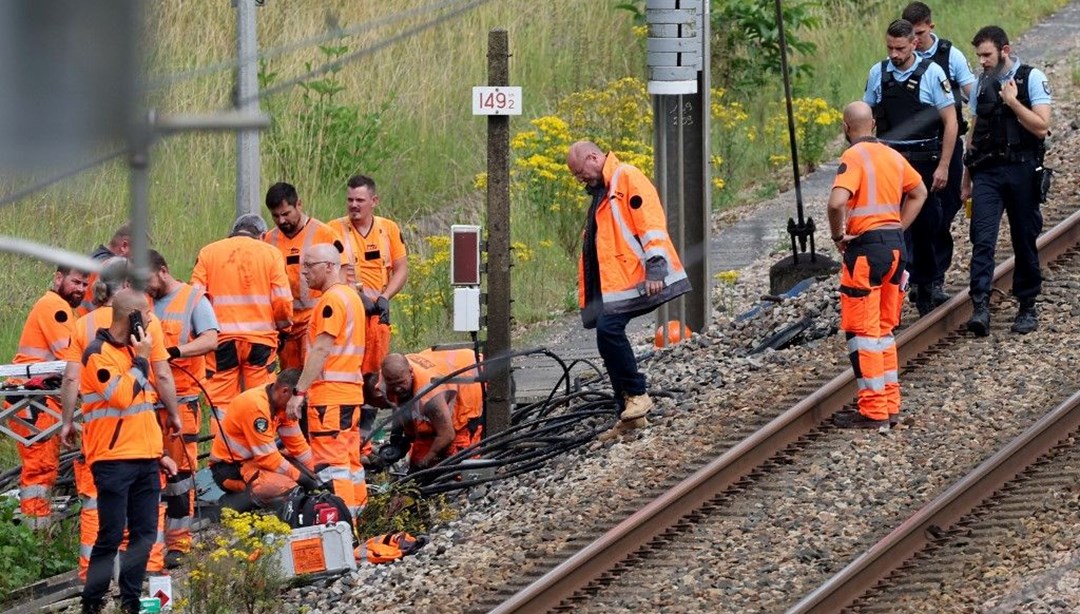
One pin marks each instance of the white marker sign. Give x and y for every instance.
(491, 100)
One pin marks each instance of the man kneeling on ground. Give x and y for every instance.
(245, 460)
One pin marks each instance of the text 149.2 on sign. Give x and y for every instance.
(489, 100)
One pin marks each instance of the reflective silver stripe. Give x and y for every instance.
(240, 451)
(655, 251)
(627, 235)
(283, 467)
(653, 235)
(199, 287)
(305, 458)
(56, 346)
(110, 390)
(33, 492)
(288, 431)
(871, 383)
(219, 412)
(185, 321)
(93, 397)
(279, 292)
(89, 503)
(891, 377)
(85, 550)
(341, 376)
(868, 210)
(359, 477)
(626, 295)
(869, 344)
(263, 449)
(356, 511)
(247, 327)
(173, 489)
(36, 352)
(115, 412)
(241, 299)
(281, 324)
(177, 524)
(347, 350)
(160, 537)
(333, 473)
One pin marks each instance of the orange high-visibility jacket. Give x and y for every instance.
(251, 428)
(464, 393)
(631, 229)
(119, 421)
(176, 325)
(47, 331)
(373, 255)
(247, 285)
(292, 249)
(340, 314)
(87, 326)
(877, 177)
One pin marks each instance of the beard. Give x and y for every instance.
(73, 299)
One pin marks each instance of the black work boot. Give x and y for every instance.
(92, 607)
(1027, 320)
(923, 299)
(938, 296)
(980, 317)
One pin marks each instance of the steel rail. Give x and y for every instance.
(619, 542)
(911, 536)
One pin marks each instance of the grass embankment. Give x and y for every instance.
(427, 147)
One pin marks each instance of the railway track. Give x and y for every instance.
(626, 565)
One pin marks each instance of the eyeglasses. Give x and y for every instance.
(308, 265)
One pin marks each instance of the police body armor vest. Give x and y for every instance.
(998, 133)
(941, 58)
(900, 116)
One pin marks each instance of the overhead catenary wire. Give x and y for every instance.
(58, 177)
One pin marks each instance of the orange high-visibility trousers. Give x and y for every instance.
(40, 464)
(334, 434)
(293, 351)
(178, 495)
(871, 296)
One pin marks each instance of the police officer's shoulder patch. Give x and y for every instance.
(1046, 87)
(840, 170)
(945, 85)
(261, 425)
(635, 202)
(327, 311)
(61, 316)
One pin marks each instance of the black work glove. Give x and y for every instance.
(382, 307)
(307, 482)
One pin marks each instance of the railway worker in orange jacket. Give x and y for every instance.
(191, 331)
(119, 245)
(331, 381)
(44, 337)
(114, 276)
(445, 419)
(378, 262)
(628, 265)
(122, 443)
(294, 232)
(245, 457)
(246, 282)
(876, 195)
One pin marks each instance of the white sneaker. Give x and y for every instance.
(636, 407)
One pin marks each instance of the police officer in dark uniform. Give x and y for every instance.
(1011, 109)
(913, 108)
(952, 61)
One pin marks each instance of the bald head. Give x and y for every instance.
(126, 301)
(586, 161)
(321, 266)
(858, 120)
(398, 377)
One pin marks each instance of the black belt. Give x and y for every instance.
(881, 235)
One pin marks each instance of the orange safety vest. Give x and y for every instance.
(176, 325)
(631, 228)
(877, 177)
(292, 249)
(339, 313)
(372, 255)
(466, 398)
(119, 421)
(246, 282)
(250, 429)
(47, 330)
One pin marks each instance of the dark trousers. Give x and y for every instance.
(1010, 188)
(922, 236)
(128, 494)
(618, 356)
(949, 197)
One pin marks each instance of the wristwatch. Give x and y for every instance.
(296, 392)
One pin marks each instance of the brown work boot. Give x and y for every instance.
(637, 406)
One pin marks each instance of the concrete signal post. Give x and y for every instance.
(678, 66)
